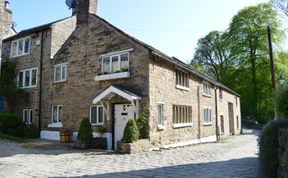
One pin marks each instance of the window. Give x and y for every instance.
(206, 89)
(97, 115)
(27, 78)
(160, 108)
(60, 73)
(115, 63)
(220, 94)
(207, 116)
(182, 79)
(56, 114)
(236, 99)
(27, 116)
(182, 114)
(222, 124)
(20, 47)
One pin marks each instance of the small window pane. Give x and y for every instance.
(27, 45)
(64, 70)
(100, 114)
(160, 114)
(54, 114)
(27, 78)
(30, 116)
(106, 65)
(20, 47)
(25, 116)
(34, 77)
(60, 114)
(58, 74)
(124, 62)
(93, 115)
(14, 49)
(115, 64)
(20, 82)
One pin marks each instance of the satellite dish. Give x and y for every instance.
(70, 3)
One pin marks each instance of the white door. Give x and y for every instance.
(122, 114)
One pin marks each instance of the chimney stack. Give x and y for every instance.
(83, 8)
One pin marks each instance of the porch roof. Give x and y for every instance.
(113, 89)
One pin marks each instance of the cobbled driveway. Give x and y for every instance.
(235, 157)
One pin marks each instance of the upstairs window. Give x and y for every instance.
(97, 115)
(206, 89)
(20, 47)
(27, 78)
(182, 79)
(114, 63)
(60, 73)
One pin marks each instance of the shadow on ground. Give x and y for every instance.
(235, 168)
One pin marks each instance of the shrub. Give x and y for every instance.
(269, 147)
(142, 125)
(282, 102)
(131, 132)
(31, 131)
(85, 135)
(11, 124)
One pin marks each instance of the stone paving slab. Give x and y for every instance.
(232, 158)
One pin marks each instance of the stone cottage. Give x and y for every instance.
(83, 66)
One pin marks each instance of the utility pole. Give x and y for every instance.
(272, 68)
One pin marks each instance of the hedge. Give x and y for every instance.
(11, 124)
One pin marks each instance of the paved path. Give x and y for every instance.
(232, 158)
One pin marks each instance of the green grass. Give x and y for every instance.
(12, 138)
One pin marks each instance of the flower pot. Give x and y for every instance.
(65, 137)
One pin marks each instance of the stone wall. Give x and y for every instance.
(162, 88)
(283, 153)
(224, 111)
(138, 146)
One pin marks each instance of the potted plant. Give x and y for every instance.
(100, 142)
(65, 135)
(85, 135)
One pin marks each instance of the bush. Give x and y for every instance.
(269, 148)
(11, 124)
(31, 131)
(143, 127)
(85, 135)
(131, 132)
(282, 102)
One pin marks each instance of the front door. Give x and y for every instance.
(122, 114)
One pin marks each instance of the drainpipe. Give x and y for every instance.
(40, 82)
(216, 114)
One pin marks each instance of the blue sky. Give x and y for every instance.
(172, 26)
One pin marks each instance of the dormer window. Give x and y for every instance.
(20, 47)
(114, 66)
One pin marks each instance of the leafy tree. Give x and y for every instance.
(14, 96)
(282, 5)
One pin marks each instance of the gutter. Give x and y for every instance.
(40, 82)
(216, 115)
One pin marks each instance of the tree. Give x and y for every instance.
(213, 54)
(249, 29)
(282, 5)
(14, 96)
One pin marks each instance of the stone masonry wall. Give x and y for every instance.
(283, 153)
(162, 88)
(81, 53)
(223, 111)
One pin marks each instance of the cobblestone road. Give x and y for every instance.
(232, 158)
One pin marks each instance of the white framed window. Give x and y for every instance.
(97, 115)
(27, 116)
(57, 114)
(27, 78)
(207, 116)
(20, 47)
(160, 117)
(182, 79)
(60, 73)
(206, 89)
(114, 62)
(182, 116)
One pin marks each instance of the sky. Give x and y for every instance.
(171, 26)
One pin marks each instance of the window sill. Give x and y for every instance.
(62, 81)
(55, 125)
(161, 127)
(99, 124)
(182, 88)
(207, 124)
(221, 100)
(206, 95)
(112, 76)
(182, 125)
(28, 87)
(19, 56)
